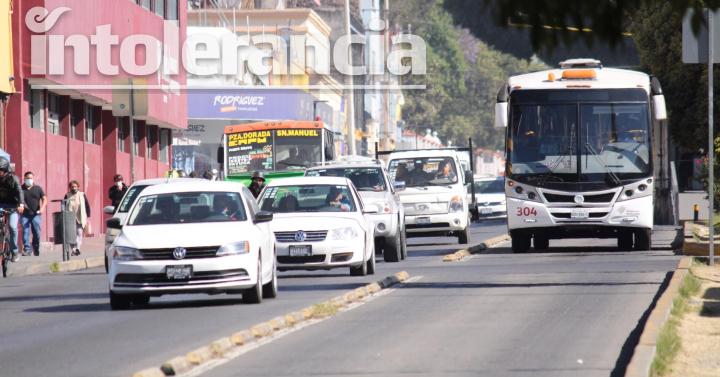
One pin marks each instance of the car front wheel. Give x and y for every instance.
(270, 289)
(254, 294)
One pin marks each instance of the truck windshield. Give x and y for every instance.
(547, 141)
(423, 171)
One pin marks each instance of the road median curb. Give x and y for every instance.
(644, 352)
(464, 253)
(221, 347)
(67, 266)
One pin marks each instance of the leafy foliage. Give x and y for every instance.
(553, 22)
(462, 80)
(480, 17)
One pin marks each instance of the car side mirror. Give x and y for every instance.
(113, 223)
(370, 210)
(263, 217)
(109, 210)
(469, 176)
(399, 185)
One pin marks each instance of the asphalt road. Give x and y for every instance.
(61, 324)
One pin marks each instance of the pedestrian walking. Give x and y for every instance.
(31, 218)
(208, 175)
(193, 174)
(79, 205)
(117, 191)
(11, 197)
(214, 175)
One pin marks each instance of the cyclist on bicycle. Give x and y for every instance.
(11, 197)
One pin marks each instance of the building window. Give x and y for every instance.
(120, 121)
(160, 8)
(136, 138)
(37, 109)
(164, 141)
(172, 11)
(148, 142)
(90, 124)
(54, 114)
(74, 119)
(146, 4)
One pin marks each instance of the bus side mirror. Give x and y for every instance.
(659, 107)
(501, 114)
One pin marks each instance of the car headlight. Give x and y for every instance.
(457, 204)
(127, 253)
(343, 234)
(236, 248)
(383, 207)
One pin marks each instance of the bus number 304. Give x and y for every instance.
(526, 211)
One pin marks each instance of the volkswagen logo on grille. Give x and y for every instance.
(579, 199)
(300, 236)
(179, 253)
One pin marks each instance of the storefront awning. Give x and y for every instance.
(6, 50)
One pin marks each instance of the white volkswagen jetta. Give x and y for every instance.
(199, 237)
(320, 223)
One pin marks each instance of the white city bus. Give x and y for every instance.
(579, 154)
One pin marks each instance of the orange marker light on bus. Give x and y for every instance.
(511, 183)
(551, 77)
(579, 74)
(517, 87)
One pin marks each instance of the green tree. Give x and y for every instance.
(462, 80)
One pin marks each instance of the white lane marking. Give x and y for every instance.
(241, 350)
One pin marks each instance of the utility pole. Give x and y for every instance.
(132, 132)
(349, 95)
(711, 147)
(385, 135)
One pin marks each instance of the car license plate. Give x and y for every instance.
(178, 272)
(486, 211)
(422, 221)
(580, 214)
(301, 251)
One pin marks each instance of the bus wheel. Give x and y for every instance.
(625, 241)
(541, 242)
(643, 239)
(520, 243)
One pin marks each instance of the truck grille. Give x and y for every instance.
(191, 253)
(593, 215)
(313, 236)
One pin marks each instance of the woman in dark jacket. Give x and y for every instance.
(117, 191)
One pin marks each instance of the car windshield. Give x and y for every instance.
(364, 179)
(423, 171)
(489, 187)
(308, 198)
(130, 198)
(188, 207)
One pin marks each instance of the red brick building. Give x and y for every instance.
(60, 126)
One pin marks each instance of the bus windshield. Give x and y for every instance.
(579, 142)
(273, 150)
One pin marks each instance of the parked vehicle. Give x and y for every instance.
(321, 223)
(371, 181)
(200, 237)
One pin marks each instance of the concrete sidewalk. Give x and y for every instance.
(92, 255)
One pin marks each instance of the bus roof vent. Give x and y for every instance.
(580, 63)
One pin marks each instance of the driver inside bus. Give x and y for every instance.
(624, 136)
(293, 159)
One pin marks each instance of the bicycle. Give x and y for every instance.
(6, 255)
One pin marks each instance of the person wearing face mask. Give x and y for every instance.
(78, 203)
(117, 191)
(31, 218)
(257, 184)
